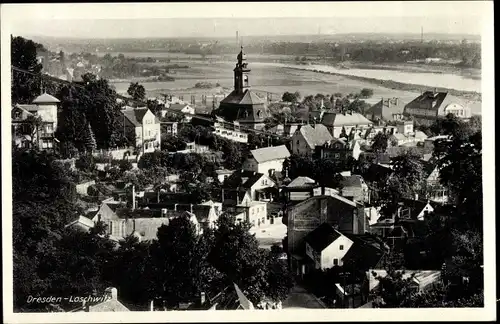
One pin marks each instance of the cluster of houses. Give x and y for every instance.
(326, 227)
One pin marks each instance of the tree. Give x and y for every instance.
(460, 165)
(24, 56)
(359, 106)
(366, 93)
(177, 260)
(137, 91)
(85, 163)
(290, 97)
(172, 143)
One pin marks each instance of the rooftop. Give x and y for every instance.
(315, 135)
(135, 115)
(270, 153)
(347, 119)
(45, 98)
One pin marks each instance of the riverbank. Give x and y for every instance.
(394, 85)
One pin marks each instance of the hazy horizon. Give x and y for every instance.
(218, 20)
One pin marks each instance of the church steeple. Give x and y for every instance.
(241, 72)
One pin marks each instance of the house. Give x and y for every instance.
(81, 223)
(251, 182)
(206, 213)
(326, 246)
(179, 108)
(266, 160)
(286, 130)
(430, 105)
(142, 126)
(423, 280)
(307, 137)
(339, 150)
(346, 121)
(107, 303)
(354, 187)
(24, 134)
(170, 128)
(435, 190)
(385, 109)
(344, 215)
(253, 212)
(231, 131)
(223, 174)
(414, 209)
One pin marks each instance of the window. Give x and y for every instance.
(341, 248)
(49, 128)
(335, 262)
(336, 155)
(298, 142)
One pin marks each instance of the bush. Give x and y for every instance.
(85, 163)
(366, 93)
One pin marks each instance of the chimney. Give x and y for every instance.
(133, 197)
(202, 298)
(111, 293)
(416, 196)
(191, 207)
(396, 100)
(151, 305)
(175, 207)
(164, 212)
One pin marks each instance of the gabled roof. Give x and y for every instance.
(28, 108)
(322, 237)
(301, 182)
(135, 115)
(428, 100)
(270, 153)
(45, 98)
(243, 179)
(317, 135)
(421, 277)
(385, 108)
(399, 136)
(348, 119)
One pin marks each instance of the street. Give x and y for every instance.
(300, 298)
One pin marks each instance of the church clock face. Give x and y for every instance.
(245, 80)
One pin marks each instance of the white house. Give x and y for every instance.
(326, 246)
(336, 122)
(266, 160)
(183, 108)
(252, 182)
(43, 106)
(142, 124)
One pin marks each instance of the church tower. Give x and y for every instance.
(241, 72)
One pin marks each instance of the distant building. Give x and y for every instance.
(346, 121)
(23, 135)
(142, 125)
(430, 105)
(306, 138)
(231, 131)
(243, 105)
(385, 109)
(302, 188)
(340, 151)
(266, 160)
(170, 128)
(179, 108)
(355, 188)
(251, 182)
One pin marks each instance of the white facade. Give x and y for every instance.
(299, 145)
(231, 133)
(251, 164)
(149, 133)
(458, 110)
(332, 255)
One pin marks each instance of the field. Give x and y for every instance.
(270, 78)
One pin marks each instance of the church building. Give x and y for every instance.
(243, 105)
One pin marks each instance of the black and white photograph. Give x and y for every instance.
(167, 161)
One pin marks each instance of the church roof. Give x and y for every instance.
(46, 98)
(248, 97)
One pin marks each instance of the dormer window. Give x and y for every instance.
(259, 113)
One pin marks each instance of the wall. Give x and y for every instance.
(264, 167)
(299, 145)
(299, 195)
(333, 251)
(250, 165)
(82, 188)
(264, 182)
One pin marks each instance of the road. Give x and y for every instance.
(300, 298)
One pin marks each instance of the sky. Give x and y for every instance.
(134, 20)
